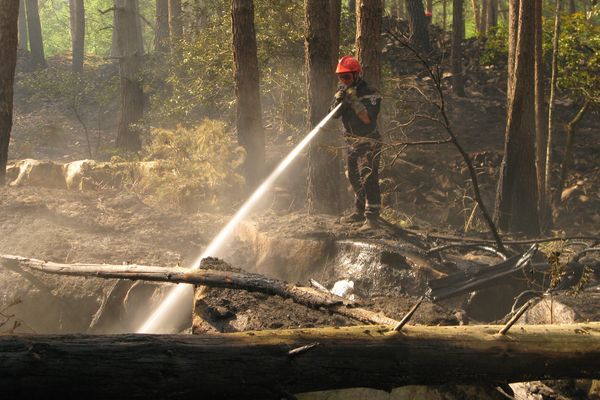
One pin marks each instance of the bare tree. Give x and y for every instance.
(516, 198)
(161, 33)
(130, 51)
(549, 142)
(444, 14)
(9, 16)
(323, 165)
(419, 35)
(483, 28)
(368, 39)
(476, 15)
(458, 84)
(36, 42)
(77, 14)
(247, 89)
(540, 124)
(23, 36)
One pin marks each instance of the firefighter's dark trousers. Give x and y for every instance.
(363, 173)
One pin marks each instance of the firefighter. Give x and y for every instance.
(359, 111)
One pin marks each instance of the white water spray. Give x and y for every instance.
(182, 293)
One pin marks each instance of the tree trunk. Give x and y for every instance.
(161, 33)
(540, 125)
(492, 15)
(572, 7)
(273, 364)
(336, 14)
(444, 14)
(323, 164)
(368, 40)
(419, 34)
(458, 85)
(568, 153)
(549, 143)
(9, 38)
(247, 89)
(36, 43)
(483, 17)
(130, 53)
(476, 16)
(516, 198)
(23, 36)
(352, 7)
(77, 14)
(175, 23)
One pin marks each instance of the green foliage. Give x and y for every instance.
(495, 50)
(195, 167)
(579, 57)
(96, 87)
(197, 81)
(56, 31)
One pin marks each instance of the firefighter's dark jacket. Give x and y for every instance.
(353, 126)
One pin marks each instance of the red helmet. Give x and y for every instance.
(347, 64)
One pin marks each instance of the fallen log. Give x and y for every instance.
(307, 296)
(273, 364)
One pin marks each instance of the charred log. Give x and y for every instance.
(271, 364)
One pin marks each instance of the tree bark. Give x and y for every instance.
(23, 36)
(549, 144)
(492, 15)
(417, 22)
(36, 43)
(323, 164)
(161, 33)
(247, 89)
(476, 16)
(540, 126)
(483, 17)
(336, 15)
(572, 7)
(77, 14)
(568, 152)
(9, 37)
(368, 40)
(272, 364)
(458, 85)
(444, 14)
(516, 198)
(175, 23)
(130, 53)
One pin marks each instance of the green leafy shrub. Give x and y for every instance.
(195, 167)
(579, 57)
(495, 50)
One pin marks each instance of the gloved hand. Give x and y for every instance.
(339, 96)
(351, 95)
(354, 102)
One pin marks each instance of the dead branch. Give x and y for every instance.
(307, 296)
(465, 282)
(441, 106)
